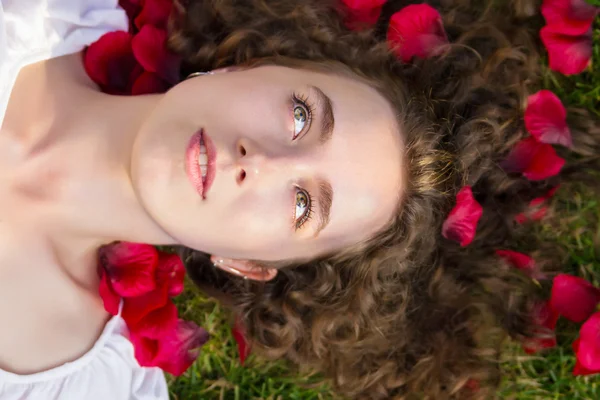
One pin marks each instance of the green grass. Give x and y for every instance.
(218, 375)
(581, 90)
(548, 375)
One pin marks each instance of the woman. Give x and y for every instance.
(406, 313)
(320, 166)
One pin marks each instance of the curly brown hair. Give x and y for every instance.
(407, 314)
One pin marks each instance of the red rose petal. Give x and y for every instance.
(537, 208)
(157, 323)
(546, 119)
(569, 17)
(363, 4)
(461, 223)
(361, 14)
(145, 349)
(521, 155)
(130, 267)
(180, 348)
(536, 214)
(132, 9)
(149, 83)
(588, 353)
(110, 299)
(133, 77)
(171, 272)
(120, 254)
(473, 385)
(109, 61)
(574, 298)
(568, 55)
(154, 12)
(544, 320)
(552, 192)
(522, 262)
(136, 308)
(539, 214)
(150, 50)
(545, 164)
(416, 31)
(520, 218)
(238, 332)
(579, 369)
(533, 159)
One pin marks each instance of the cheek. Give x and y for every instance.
(263, 215)
(239, 107)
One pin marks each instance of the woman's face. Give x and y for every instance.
(297, 163)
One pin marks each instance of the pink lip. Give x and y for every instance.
(192, 167)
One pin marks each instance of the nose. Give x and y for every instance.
(252, 162)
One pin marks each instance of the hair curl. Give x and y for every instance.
(408, 314)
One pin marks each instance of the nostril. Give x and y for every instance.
(241, 176)
(242, 150)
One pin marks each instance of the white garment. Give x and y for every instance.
(32, 31)
(108, 371)
(36, 30)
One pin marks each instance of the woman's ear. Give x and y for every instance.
(244, 268)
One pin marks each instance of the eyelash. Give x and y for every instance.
(299, 99)
(303, 101)
(308, 214)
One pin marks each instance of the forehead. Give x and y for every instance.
(363, 160)
(366, 169)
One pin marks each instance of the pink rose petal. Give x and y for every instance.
(568, 55)
(522, 262)
(171, 272)
(588, 353)
(156, 323)
(361, 14)
(574, 298)
(579, 369)
(180, 348)
(535, 160)
(239, 334)
(145, 349)
(544, 165)
(461, 223)
(546, 119)
(130, 267)
(416, 31)
(538, 209)
(136, 308)
(569, 17)
(544, 320)
(110, 299)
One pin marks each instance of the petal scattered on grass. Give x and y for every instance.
(416, 30)
(573, 297)
(461, 223)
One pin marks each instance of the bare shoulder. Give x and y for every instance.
(47, 318)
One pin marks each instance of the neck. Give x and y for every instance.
(72, 170)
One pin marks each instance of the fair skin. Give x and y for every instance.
(79, 169)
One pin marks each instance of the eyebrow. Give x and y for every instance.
(327, 117)
(324, 200)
